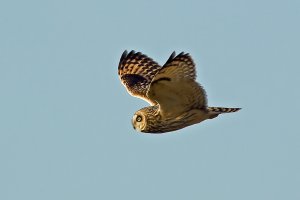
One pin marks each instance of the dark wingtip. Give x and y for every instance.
(131, 53)
(172, 56)
(182, 53)
(125, 55)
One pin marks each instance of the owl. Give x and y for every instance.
(176, 99)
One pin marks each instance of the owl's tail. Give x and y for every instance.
(215, 111)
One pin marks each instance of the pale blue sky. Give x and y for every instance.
(65, 128)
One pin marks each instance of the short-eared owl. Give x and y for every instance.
(176, 99)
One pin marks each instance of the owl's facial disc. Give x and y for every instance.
(138, 122)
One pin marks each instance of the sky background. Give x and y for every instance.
(65, 118)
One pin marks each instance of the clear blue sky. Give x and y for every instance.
(65, 130)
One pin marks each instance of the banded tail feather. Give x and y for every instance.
(219, 110)
(215, 111)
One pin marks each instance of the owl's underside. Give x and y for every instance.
(176, 99)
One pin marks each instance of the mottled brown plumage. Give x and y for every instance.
(136, 72)
(176, 99)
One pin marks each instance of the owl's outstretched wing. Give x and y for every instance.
(136, 72)
(174, 87)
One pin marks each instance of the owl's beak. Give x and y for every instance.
(137, 128)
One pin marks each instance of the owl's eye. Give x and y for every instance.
(138, 118)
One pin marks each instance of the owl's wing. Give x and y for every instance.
(174, 87)
(136, 72)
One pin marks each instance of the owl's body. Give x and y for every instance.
(155, 123)
(176, 99)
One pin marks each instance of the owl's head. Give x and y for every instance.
(144, 118)
(139, 121)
